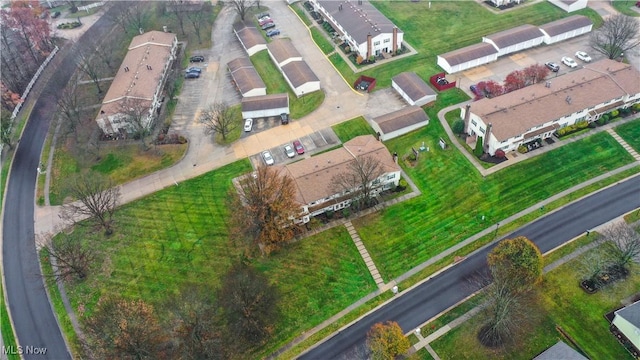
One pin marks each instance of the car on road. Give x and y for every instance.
(192, 75)
(196, 58)
(298, 146)
(552, 66)
(583, 56)
(268, 159)
(289, 151)
(193, 69)
(569, 62)
(268, 26)
(273, 32)
(248, 124)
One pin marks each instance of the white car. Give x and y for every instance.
(289, 151)
(248, 125)
(268, 159)
(569, 62)
(583, 56)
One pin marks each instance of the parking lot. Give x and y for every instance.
(313, 143)
(498, 71)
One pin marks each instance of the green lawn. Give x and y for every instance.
(562, 303)
(625, 7)
(179, 236)
(8, 337)
(321, 40)
(431, 32)
(352, 128)
(630, 132)
(455, 196)
(276, 84)
(297, 7)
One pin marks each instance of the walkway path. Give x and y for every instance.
(624, 144)
(365, 255)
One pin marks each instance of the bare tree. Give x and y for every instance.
(360, 180)
(107, 52)
(617, 35)
(177, 10)
(218, 119)
(197, 19)
(120, 14)
(69, 106)
(593, 266)
(97, 198)
(136, 112)
(626, 241)
(70, 257)
(5, 129)
(139, 14)
(242, 7)
(264, 208)
(91, 68)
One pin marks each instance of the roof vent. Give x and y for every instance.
(547, 84)
(568, 99)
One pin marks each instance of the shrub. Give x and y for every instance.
(562, 131)
(636, 107)
(592, 125)
(346, 212)
(73, 9)
(499, 153)
(614, 113)
(402, 185)
(602, 121)
(329, 214)
(479, 150)
(458, 126)
(625, 111)
(522, 149)
(582, 124)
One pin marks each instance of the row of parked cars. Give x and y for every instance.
(568, 61)
(289, 150)
(266, 23)
(193, 72)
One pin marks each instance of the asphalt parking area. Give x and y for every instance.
(313, 143)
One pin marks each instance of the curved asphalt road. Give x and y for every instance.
(430, 298)
(34, 321)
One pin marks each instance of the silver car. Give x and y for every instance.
(288, 149)
(268, 159)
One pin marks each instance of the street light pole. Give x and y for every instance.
(496, 232)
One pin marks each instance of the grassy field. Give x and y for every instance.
(625, 7)
(276, 84)
(431, 32)
(562, 303)
(321, 40)
(455, 196)
(297, 7)
(630, 132)
(179, 236)
(352, 128)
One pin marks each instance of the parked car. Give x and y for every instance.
(284, 118)
(268, 26)
(248, 124)
(192, 75)
(268, 159)
(196, 58)
(265, 20)
(474, 89)
(289, 151)
(273, 32)
(583, 56)
(194, 69)
(569, 62)
(298, 146)
(56, 14)
(262, 15)
(552, 66)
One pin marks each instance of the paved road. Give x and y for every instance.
(33, 318)
(430, 298)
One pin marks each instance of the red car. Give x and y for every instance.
(298, 146)
(264, 21)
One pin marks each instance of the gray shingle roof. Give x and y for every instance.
(299, 73)
(400, 119)
(469, 53)
(560, 351)
(565, 25)
(631, 313)
(265, 102)
(514, 36)
(282, 50)
(413, 85)
(358, 20)
(245, 75)
(248, 34)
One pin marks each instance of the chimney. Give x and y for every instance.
(395, 40)
(568, 99)
(487, 135)
(164, 28)
(369, 46)
(467, 115)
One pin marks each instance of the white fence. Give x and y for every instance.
(90, 6)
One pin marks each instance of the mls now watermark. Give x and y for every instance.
(24, 350)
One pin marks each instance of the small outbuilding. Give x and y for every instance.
(516, 39)
(566, 28)
(250, 37)
(265, 106)
(247, 80)
(560, 351)
(413, 89)
(468, 57)
(300, 78)
(283, 52)
(399, 122)
(626, 322)
(570, 5)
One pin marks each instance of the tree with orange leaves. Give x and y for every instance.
(387, 341)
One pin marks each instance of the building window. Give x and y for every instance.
(376, 182)
(474, 122)
(376, 43)
(390, 177)
(482, 130)
(387, 40)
